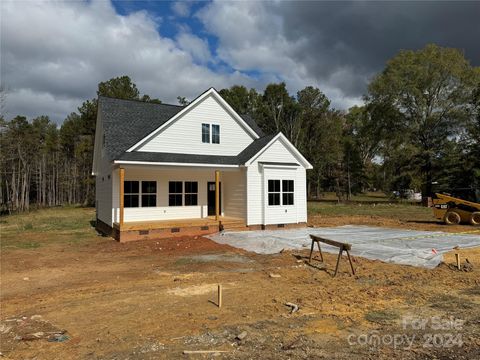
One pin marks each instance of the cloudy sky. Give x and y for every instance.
(53, 54)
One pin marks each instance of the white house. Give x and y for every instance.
(164, 170)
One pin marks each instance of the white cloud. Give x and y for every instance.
(196, 46)
(55, 53)
(181, 8)
(251, 37)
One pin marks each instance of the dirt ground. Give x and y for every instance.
(156, 299)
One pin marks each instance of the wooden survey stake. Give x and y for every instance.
(219, 296)
(457, 258)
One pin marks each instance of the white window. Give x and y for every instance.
(287, 192)
(177, 196)
(205, 133)
(149, 193)
(191, 193)
(215, 134)
(273, 192)
(210, 137)
(283, 195)
(132, 196)
(175, 193)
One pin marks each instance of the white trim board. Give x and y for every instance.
(126, 162)
(287, 144)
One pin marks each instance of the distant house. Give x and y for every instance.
(165, 170)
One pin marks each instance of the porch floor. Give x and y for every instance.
(181, 223)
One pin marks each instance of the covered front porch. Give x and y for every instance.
(165, 201)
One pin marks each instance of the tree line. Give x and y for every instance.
(419, 128)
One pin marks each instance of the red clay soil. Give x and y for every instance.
(155, 299)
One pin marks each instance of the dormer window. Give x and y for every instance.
(210, 137)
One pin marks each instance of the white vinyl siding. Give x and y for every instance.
(257, 188)
(103, 198)
(233, 181)
(185, 134)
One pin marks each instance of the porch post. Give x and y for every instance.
(122, 178)
(217, 194)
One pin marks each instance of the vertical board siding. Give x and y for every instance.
(230, 179)
(257, 177)
(185, 134)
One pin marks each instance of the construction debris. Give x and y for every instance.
(294, 307)
(275, 275)
(186, 352)
(24, 328)
(241, 336)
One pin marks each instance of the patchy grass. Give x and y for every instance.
(403, 212)
(71, 225)
(382, 316)
(366, 197)
(451, 303)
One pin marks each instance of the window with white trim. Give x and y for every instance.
(288, 192)
(135, 195)
(191, 193)
(215, 134)
(210, 137)
(149, 193)
(131, 194)
(273, 192)
(175, 193)
(205, 133)
(281, 192)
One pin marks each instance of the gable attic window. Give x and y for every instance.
(215, 134)
(206, 133)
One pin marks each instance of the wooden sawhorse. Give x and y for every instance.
(342, 246)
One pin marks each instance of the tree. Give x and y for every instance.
(120, 87)
(275, 108)
(429, 91)
(182, 100)
(242, 100)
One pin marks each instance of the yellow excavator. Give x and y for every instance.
(454, 210)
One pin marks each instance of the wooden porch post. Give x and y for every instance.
(217, 194)
(122, 178)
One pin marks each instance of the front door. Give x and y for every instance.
(211, 198)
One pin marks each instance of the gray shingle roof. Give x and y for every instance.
(252, 123)
(126, 122)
